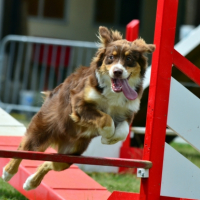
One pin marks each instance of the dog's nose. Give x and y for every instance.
(117, 72)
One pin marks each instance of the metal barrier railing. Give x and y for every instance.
(29, 65)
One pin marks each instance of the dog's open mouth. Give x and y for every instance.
(121, 85)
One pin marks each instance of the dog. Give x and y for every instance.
(100, 100)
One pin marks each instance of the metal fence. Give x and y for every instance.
(29, 65)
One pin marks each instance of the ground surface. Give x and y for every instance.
(122, 182)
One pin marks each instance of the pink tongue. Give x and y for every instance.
(127, 90)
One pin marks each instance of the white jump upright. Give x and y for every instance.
(184, 114)
(180, 177)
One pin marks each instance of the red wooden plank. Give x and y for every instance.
(185, 66)
(159, 97)
(116, 195)
(36, 163)
(10, 148)
(11, 141)
(173, 198)
(44, 191)
(65, 186)
(74, 179)
(84, 194)
(76, 159)
(71, 184)
(41, 193)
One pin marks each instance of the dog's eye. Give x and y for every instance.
(111, 57)
(128, 58)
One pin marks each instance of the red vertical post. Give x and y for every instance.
(132, 31)
(159, 97)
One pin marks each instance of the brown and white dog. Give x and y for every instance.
(99, 100)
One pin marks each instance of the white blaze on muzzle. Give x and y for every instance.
(120, 82)
(120, 67)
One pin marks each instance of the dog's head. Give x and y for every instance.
(120, 63)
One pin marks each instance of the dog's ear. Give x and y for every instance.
(141, 46)
(104, 36)
(116, 35)
(98, 59)
(107, 36)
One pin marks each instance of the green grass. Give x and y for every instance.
(188, 151)
(122, 182)
(22, 118)
(7, 192)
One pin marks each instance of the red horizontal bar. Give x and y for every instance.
(185, 66)
(117, 162)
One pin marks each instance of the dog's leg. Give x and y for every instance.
(90, 117)
(120, 134)
(34, 180)
(108, 129)
(28, 144)
(65, 147)
(12, 167)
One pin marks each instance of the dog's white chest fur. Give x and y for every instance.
(114, 104)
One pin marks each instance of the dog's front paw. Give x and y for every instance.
(107, 131)
(108, 140)
(6, 176)
(28, 183)
(120, 134)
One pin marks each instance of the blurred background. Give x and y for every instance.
(79, 20)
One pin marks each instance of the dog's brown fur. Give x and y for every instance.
(84, 106)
